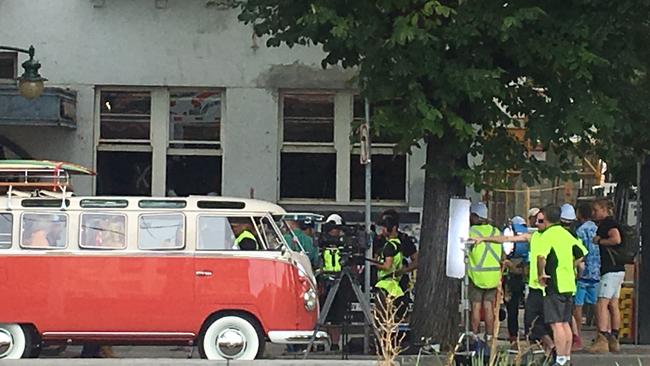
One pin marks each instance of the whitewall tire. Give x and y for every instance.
(234, 337)
(14, 341)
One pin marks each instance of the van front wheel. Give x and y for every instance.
(231, 337)
(15, 341)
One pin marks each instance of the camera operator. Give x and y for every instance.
(407, 248)
(389, 263)
(330, 243)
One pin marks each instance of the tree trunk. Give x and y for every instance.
(436, 313)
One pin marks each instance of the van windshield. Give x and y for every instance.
(272, 236)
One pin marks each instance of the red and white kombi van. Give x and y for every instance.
(141, 270)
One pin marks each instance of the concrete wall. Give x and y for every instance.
(185, 43)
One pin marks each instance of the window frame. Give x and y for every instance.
(316, 148)
(120, 143)
(227, 216)
(162, 249)
(22, 231)
(13, 56)
(11, 232)
(159, 145)
(203, 147)
(93, 247)
(343, 148)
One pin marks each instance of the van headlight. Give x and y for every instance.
(310, 300)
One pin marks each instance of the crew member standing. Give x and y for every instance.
(556, 265)
(330, 242)
(484, 269)
(409, 254)
(389, 262)
(608, 315)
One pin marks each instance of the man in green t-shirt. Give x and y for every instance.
(556, 265)
(301, 238)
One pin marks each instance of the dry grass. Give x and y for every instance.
(387, 324)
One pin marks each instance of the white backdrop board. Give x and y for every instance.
(458, 232)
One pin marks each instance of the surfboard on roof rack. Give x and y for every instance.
(35, 175)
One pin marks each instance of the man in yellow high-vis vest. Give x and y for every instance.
(484, 269)
(242, 227)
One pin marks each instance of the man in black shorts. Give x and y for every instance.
(556, 265)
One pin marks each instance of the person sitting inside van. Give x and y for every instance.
(244, 237)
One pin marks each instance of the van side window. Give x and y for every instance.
(214, 233)
(245, 234)
(44, 231)
(157, 231)
(6, 225)
(103, 231)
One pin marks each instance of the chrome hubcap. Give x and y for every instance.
(6, 342)
(231, 343)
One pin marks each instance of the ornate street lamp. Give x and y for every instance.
(30, 83)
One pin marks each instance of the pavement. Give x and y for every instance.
(631, 355)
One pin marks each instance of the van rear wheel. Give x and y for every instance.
(15, 341)
(231, 337)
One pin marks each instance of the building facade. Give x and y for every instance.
(176, 97)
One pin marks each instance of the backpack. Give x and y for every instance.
(629, 247)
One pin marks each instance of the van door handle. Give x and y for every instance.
(203, 273)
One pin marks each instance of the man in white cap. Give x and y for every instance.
(484, 269)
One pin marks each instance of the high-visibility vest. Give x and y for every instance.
(331, 260)
(388, 280)
(485, 258)
(246, 235)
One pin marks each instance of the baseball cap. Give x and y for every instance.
(336, 219)
(567, 212)
(518, 220)
(479, 209)
(533, 212)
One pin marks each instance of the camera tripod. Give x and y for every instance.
(363, 302)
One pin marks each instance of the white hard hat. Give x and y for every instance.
(335, 218)
(479, 209)
(567, 212)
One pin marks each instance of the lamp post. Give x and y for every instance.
(30, 83)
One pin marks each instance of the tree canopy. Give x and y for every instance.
(457, 74)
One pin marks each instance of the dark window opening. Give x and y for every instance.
(308, 118)
(308, 175)
(8, 65)
(388, 178)
(125, 115)
(195, 174)
(123, 173)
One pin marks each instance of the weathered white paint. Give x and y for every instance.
(184, 43)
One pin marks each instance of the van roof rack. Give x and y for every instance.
(43, 175)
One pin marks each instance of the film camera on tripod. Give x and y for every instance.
(343, 253)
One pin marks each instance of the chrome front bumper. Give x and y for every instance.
(298, 337)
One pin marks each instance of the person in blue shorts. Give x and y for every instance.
(588, 279)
